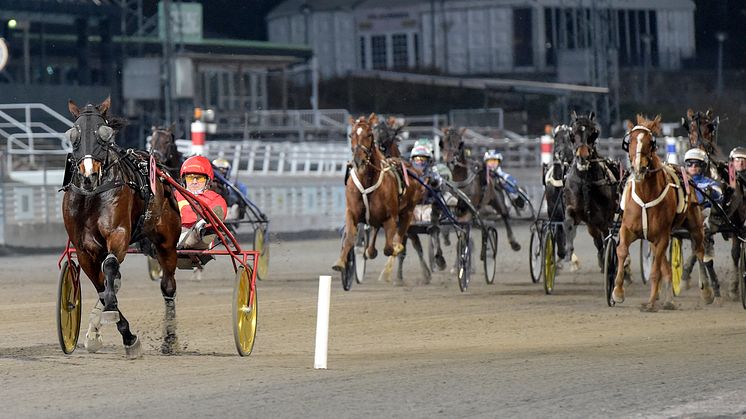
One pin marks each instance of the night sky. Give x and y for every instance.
(244, 19)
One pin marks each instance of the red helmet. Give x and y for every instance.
(197, 165)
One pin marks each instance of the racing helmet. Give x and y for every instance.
(197, 165)
(738, 153)
(421, 151)
(492, 155)
(223, 166)
(696, 154)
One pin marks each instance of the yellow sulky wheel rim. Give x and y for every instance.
(244, 313)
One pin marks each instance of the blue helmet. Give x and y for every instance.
(492, 155)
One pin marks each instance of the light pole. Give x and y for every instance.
(721, 37)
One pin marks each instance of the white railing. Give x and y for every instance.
(25, 139)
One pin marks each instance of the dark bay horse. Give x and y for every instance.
(554, 182)
(376, 194)
(591, 187)
(702, 129)
(470, 177)
(163, 147)
(388, 136)
(655, 202)
(108, 204)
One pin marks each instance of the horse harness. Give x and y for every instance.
(387, 165)
(672, 181)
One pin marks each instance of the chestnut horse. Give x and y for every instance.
(655, 203)
(108, 204)
(376, 194)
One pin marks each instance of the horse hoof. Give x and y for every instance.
(440, 262)
(617, 296)
(388, 251)
(133, 351)
(169, 345)
(515, 246)
(648, 308)
(108, 317)
(707, 295)
(670, 306)
(93, 344)
(339, 266)
(372, 253)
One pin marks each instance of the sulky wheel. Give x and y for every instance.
(646, 260)
(463, 252)
(68, 307)
(361, 259)
(534, 254)
(742, 275)
(489, 247)
(154, 269)
(549, 266)
(610, 268)
(350, 272)
(244, 312)
(261, 245)
(676, 255)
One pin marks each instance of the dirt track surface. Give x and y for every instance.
(502, 350)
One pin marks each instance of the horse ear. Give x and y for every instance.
(73, 108)
(630, 125)
(573, 115)
(690, 113)
(172, 127)
(656, 128)
(708, 114)
(684, 124)
(640, 119)
(105, 106)
(373, 118)
(592, 116)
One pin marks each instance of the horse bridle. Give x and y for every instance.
(367, 150)
(638, 152)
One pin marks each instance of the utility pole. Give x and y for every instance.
(721, 37)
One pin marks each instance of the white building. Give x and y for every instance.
(464, 37)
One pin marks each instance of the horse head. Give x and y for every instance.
(387, 135)
(452, 145)
(563, 150)
(91, 136)
(640, 144)
(585, 130)
(362, 140)
(163, 146)
(702, 129)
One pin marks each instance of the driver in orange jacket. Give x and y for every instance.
(196, 174)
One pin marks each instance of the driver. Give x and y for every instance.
(235, 203)
(696, 162)
(492, 164)
(196, 174)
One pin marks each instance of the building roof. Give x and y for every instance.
(294, 7)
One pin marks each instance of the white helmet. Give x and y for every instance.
(696, 154)
(421, 150)
(738, 153)
(492, 155)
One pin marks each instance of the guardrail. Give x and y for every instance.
(26, 137)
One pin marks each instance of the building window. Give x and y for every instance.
(523, 50)
(363, 64)
(378, 51)
(416, 50)
(399, 45)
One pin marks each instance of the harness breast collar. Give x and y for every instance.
(366, 191)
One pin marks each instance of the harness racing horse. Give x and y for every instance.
(472, 179)
(654, 203)
(554, 182)
(702, 129)
(591, 187)
(163, 147)
(388, 135)
(376, 194)
(108, 204)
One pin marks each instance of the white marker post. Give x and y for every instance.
(322, 322)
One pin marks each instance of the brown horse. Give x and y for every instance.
(163, 147)
(655, 203)
(376, 194)
(108, 204)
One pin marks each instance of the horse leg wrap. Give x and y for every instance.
(713, 277)
(93, 339)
